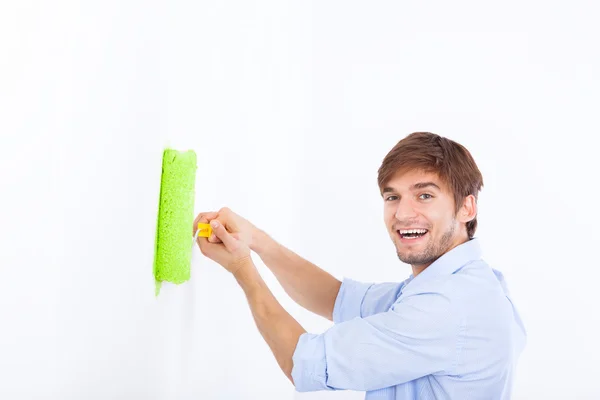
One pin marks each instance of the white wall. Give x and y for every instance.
(291, 108)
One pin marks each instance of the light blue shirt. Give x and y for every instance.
(450, 333)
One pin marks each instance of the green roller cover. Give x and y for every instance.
(174, 240)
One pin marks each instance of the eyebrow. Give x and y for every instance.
(416, 186)
(423, 185)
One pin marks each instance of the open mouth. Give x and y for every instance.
(412, 234)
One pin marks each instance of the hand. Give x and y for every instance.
(231, 251)
(233, 223)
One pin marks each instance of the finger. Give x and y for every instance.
(230, 242)
(203, 242)
(203, 245)
(203, 217)
(214, 239)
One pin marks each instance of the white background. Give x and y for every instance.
(291, 106)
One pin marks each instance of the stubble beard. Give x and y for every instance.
(432, 251)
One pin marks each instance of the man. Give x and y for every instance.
(450, 331)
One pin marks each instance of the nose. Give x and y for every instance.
(405, 211)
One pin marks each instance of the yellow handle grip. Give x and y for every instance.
(204, 230)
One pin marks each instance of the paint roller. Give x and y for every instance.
(173, 248)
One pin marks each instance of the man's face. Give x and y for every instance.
(420, 217)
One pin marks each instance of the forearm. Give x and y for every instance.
(278, 328)
(307, 284)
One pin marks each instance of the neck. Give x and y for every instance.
(417, 269)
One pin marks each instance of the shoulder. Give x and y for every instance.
(474, 286)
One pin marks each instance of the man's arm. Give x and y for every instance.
(383, 350)
(307, 284)
(278, 328)
(416, 337)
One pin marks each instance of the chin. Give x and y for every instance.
(417, 259)
(420, 253)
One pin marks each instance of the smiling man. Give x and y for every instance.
(449, 331)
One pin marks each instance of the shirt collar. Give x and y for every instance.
(450, 261)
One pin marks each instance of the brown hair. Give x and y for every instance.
(429, 152)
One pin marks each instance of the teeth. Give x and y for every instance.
(407, 231)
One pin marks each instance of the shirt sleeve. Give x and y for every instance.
(418, 336)
(360, 299)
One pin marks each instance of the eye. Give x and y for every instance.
(425, 196)
(391, 198)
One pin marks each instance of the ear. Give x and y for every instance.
(468, 211)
